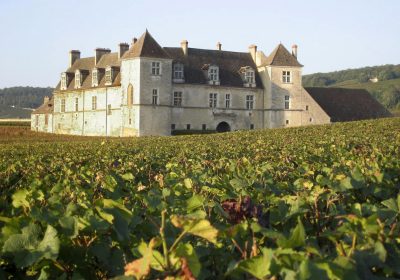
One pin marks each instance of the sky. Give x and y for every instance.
(37, 35)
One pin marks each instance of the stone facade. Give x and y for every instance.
(143, 93)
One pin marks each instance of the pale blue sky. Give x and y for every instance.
(36, 35)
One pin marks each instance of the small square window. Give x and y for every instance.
(173, 126)
(252, 126)
(188, 126)
(306, 107)
(287, 121)
(204, 126)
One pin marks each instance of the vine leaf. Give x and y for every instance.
(198, 227)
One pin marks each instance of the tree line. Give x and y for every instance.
(24, 97)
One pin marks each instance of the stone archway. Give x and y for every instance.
(223, 127)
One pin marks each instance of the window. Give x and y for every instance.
(213, 100)
(188, 126)
(109, 75)
(156, 68)
(249, 76)
(78, 79)
(204, 126)
(173, 126)
(76, 104)
(109, 111)
(178, 71)
(46, 119)
(213, 74)
(37, 120)
(249, 102)
(95, 78)
(64, 81)
(94, 102)
(306, 107)
(177, 98)
(130, 121)
(227, 100)
(287, 121)
(155, 97)
(286, 77)
(311, 119)
(130, 95)
(62, 105)
(287, 102)
(252, 126)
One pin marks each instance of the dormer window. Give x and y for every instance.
(78, 79)
(109, 76)
(178, 72)
(95, 77)
(213, 74)
(64, 81)
(248, 76)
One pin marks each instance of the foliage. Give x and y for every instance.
(318, 202)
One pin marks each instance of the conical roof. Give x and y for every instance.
(146, 46)
(280, 56)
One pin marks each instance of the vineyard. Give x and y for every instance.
(319, 202)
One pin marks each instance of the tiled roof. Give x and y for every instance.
(45, 108)
(280, 56)
(146, 46)
(229, 64)
(348, 104)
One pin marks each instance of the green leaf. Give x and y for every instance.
(50, 244)
(105, 216)
(26, 248)
(127, 177)
(393, 204)
(198, 227)
(185, 250)
(309, 271)
(297, 237)
(19, 198)
(256, 266)
(188, 183)
(70, 226)
(194, 202)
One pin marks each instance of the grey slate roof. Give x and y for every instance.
(229, 64)
(343, 104)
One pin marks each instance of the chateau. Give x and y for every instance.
(145, 89)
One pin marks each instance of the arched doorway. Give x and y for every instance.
(223, 127)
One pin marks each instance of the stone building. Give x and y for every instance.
(144, 89)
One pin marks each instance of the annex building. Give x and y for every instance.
(145, 89)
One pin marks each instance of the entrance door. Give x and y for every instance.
(223, 127)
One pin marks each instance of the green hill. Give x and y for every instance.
(386, 87)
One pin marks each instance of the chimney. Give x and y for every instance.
(74, 55)
(253, 52)
(134, 40)
(46, 99)
(294, 50)
(99, 52)
(122, 48)
(184, 46)
(219, 46)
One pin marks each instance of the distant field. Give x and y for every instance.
(318, 202)
(15, 122)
